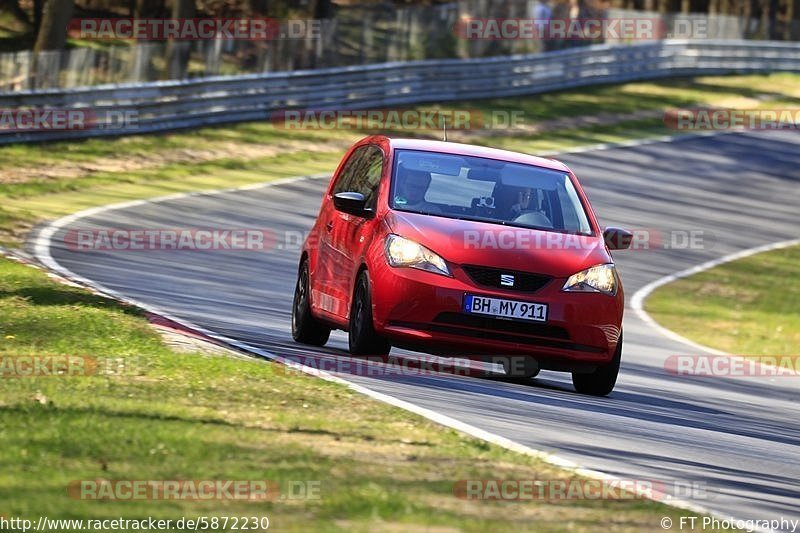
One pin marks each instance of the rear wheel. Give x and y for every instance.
(600, 382)
(306, 328)
(362, 337)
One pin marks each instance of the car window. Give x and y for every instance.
(574, 219)
(440, 190)
(362, 173)
(346, 175)
(490, 190)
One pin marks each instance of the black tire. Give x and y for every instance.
(528, 369)
(362, 337)
(600, 382)
(306, 328)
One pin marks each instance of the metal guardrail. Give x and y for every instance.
(171, 105)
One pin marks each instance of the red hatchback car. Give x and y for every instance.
(452, 249)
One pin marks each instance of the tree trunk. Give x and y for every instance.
(772, 32)
(178, 51)
(52, 33)
(38, 7)
(321, 9)
(259, 7)
(145, 9)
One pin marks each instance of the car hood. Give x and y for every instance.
(494, 245)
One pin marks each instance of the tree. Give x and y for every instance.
(259, 7)
(38, 8)
(52, 34)
(144, 9)
(321, 9)
(12, 8)
(178, 52)
(772, 32)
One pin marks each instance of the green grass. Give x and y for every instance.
(747, 307)
(42, 181)
(195, 416)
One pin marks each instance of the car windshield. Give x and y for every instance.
(487, 190)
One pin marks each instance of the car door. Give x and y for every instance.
(326, 294)
(350, 232)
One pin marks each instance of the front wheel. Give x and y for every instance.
(306, 328)
(600, 382)
(362, 337)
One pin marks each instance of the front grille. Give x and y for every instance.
(534, 335)
(499, 324)
(491, 277)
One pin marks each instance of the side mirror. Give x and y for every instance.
(353, 203)
(617, 239)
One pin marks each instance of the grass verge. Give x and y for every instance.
(746, 307)
(165, 415)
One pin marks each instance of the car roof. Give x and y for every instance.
(476, 151)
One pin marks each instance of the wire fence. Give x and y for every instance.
(355, 36)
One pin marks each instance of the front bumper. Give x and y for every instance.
(424, 311)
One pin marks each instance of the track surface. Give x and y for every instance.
(738, 438)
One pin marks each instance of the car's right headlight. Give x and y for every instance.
(402, 252)
(600, 278)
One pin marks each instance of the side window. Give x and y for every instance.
(372, 176)
(362, 173)
(346, 176)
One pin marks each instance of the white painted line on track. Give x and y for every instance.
(638, 298)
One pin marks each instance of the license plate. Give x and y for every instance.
(481, 305)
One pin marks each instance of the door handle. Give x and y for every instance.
(329, 226)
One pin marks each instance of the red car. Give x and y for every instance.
(452, 249)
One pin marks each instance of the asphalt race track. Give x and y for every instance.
(739, 439)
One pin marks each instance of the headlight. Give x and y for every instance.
(402, 252)
(600, 278)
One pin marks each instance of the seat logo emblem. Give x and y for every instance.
(506, 280)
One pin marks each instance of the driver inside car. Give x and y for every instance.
(510, 201)
(412, 186)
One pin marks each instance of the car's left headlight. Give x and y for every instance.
(600, 278)
(402, 252)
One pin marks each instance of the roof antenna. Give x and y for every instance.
(444, 125)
